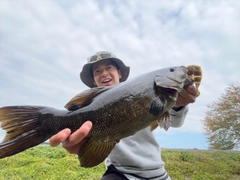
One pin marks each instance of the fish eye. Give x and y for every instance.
(171, 70)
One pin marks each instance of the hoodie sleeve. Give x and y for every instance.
(177, 117)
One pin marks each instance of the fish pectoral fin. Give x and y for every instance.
(163, 122)
(154, 125)
(156, 106)
(84, 98)
(93, 153)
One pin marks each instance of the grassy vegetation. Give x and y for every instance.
(44, 162)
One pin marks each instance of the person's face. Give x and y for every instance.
(105, 73)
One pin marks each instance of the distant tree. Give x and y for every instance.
(222, 120)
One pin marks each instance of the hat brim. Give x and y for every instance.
(86, 76)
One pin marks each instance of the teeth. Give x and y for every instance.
(105, 81)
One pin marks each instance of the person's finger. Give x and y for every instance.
(74, 149)
(78, 135)
(59, 137)
(186, 96)
(191, 89)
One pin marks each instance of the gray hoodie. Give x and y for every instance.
(139, 155)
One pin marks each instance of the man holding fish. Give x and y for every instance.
(134, 157)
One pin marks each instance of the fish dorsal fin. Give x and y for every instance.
(163, 122)
(154, 125)
(84, 98)
(93, 153)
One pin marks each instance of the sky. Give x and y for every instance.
(44, 44)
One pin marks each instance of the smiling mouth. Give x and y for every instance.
(106, 80)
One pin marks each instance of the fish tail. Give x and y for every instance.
(20, 124)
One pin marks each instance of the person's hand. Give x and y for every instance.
(186, 96)
(71, 142)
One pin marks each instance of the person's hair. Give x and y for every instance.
(114, 64)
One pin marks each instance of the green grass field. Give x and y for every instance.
(44, 162)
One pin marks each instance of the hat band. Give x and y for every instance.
(102, 56)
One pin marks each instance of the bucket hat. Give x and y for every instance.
(86, 73)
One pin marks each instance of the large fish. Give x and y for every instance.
(116, 112)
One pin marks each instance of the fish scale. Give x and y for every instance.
(116, 112)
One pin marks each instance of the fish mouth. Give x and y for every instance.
(170, 90)
(174, 80)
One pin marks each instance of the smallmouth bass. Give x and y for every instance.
(116, 112)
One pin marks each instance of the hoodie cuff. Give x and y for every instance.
(177, 117)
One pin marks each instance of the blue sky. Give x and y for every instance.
(44, 44)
